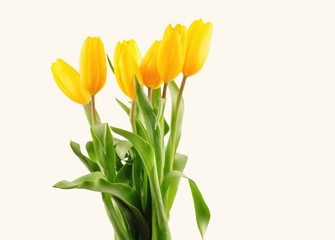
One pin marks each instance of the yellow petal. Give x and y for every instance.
(148, 67)
(182, 30)
(127, 57)
(170, 57)
(93, 65)
(68, 80)
(198, 42)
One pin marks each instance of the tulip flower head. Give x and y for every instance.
(127, 58)
(148, 67)
(93, 65)
(198, 41)
(68, 80)
(171, 54)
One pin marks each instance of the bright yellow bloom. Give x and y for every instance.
(148, 67)
(68, 80)
(92, 65)
(199, 37)
(182, 30)
(171, 53)
(127, 58)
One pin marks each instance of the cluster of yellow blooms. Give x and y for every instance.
(181, 50)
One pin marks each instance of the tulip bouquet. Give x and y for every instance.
(138, 175)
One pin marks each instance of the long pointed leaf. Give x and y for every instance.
(175, 127)
(179, 165)
(97, 182)
(202, 212)
(155, 134)
(104, 149)
(91, 165)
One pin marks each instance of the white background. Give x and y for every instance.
(259, 124)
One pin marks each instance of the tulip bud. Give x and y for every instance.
(127, 58)
(182, 30)
(148, 67)
(93, 66)
(68, 80)
(170, 54)
(199, 37)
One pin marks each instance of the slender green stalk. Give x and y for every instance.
(150, 94)
(132, 116)
(93, 110)
(169, 161)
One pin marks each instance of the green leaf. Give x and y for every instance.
(123, 106)
(139, 126)
(88, 113)
(91, 165)
(166, 127)
(124, 175)
(121, 192)
(104, 149)
(155, 134)
(91, 152)
(122, 148)
(156, 93)
(160, 110)
(175, 128)
(179, 165)
(202, 212)
(143, 147)
(96, 181)
(147, 156)
(110, 63)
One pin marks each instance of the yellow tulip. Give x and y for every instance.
(127, 58)
(92, 65)
(182, 30)
(68, 80)
(199, 37)
(170, 53)
(148, 67)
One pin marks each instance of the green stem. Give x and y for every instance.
(132, 116)
(164, 90)
(93, 109)
(150, 94)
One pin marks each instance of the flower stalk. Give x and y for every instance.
(94, 120)
(132, 116)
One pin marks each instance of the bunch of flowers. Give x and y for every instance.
(137, 176)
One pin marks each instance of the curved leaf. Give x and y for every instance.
(104, 149)
(122, 148)
(91, 165)
(202, 212)
(110, 63)
(175, 127)
(97, 182)
(121, 192)
(139, 126)
(179, 165)
(154, 133)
